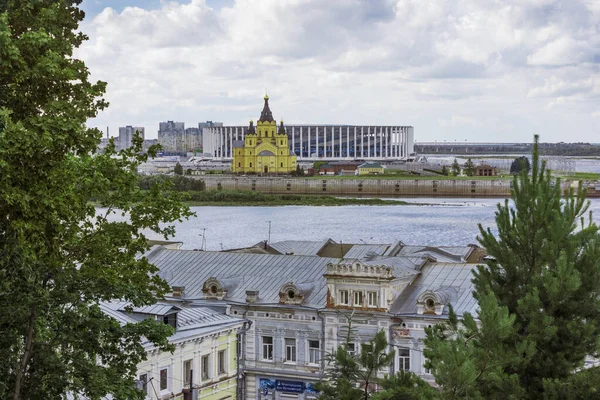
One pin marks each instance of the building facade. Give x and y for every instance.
(331, 142)
(126, 134)
(264, 148)
(301, 298)
(205, 357)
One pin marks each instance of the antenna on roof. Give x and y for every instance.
(269, 239)
(203, 244)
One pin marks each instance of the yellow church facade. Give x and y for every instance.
(265, 148)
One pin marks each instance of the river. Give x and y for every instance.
(444, 222)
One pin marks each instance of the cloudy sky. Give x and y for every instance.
(477, 70)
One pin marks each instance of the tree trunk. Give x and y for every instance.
(20, 373)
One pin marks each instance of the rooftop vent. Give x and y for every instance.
(178, 291)
(251, 296)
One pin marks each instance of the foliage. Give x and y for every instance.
(520, 164)
(579, 385)
(455, 168)
(59, 258)
(352, 376)
(539, 298)
(175, 182)
(469, 168)
(178, 170)
(405, 385)
(444, 170)
(318, 164)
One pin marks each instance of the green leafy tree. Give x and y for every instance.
(178, 170)
(455, 168)
(469, 168)
(539, 298)
(520, 164)
(444, 170)
(59, 256)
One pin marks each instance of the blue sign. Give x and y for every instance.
(267, 383)
(290, 386)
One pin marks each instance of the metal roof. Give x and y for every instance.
(299, 247)
(361, 251)
(440, 254)
(435, 276)
(266, 273)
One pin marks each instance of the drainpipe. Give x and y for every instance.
(322, 372)
(241, 342)
(391, 345)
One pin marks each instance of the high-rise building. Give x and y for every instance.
(126, 135)
(171, 136)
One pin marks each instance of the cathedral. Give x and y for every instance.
(265, 148)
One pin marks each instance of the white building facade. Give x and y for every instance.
(331, 142)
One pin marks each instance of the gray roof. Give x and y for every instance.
(360, 251)
(266, 153)
(239, 272)
(154, 309)
(298, 247)
(454, 279)
(440, 254)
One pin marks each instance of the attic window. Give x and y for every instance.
(430, 304)
(291, 294)
(213, 289)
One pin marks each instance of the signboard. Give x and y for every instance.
(289, 386)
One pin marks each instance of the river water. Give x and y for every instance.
(444, 222)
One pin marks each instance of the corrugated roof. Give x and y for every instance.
(154, 309)
(440, 254)
(453, 276)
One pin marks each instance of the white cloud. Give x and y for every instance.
(464, 64)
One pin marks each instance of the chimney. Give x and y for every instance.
(178, 291)
(251, 296)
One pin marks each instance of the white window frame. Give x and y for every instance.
(186, 375)
(373, 299)
(354, 347)
(344, 297)
(358, 298)
(205, 369)
(314, 353)
(266, 349)
(160, 381)
(291, 350)
(222, 362)
(426, 371)
(403, 359)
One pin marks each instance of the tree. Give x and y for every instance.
(519, 164)
(178, 170)
(444, 170)
(59, 256)
(469, 168)
(405, 385)
(353, 376)
(455, 168)
(539, 297)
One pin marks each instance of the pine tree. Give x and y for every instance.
(455, 168)
(178, 170)
(469, 168)
(539, 299)
(519, 164)
(444, 170)
(545, 271)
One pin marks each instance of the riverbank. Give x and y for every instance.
(248, 198)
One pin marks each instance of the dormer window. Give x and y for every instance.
(171, 319)
(434, 301)
(214, 289)
(290, 294)
(430, 305)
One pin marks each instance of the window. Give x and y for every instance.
(372, 298)
(267, 348)
(314, 351)
(239, 165)
(358, 298)
(281, 165)
(290, 350)
(343, 297)
(250, 165)
(205, 367)
(164, 376)
(171, 319)
(144, 382)
(187, 372)
(404, 359)
(222, 361)
(351, 348)
(426, 370)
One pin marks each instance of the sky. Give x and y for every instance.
(455, 70)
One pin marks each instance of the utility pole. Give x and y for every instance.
(203, 243)
(269, 240)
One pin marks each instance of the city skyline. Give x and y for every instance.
(455, 70)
